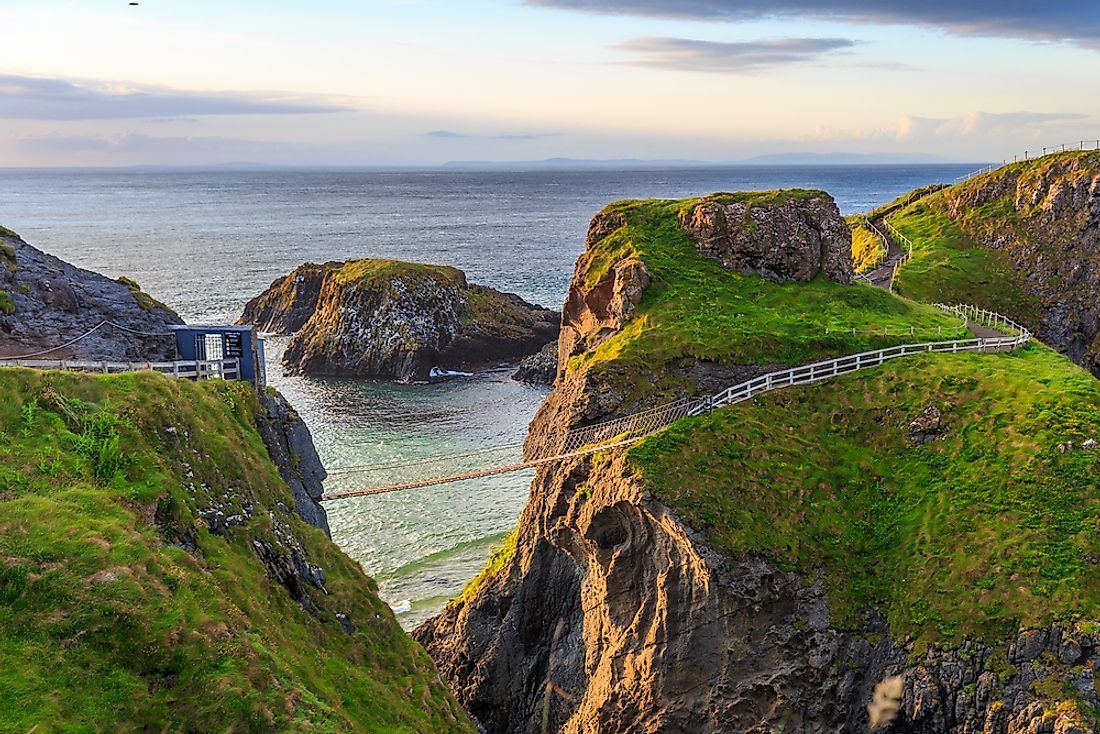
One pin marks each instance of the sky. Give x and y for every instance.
(424, 82)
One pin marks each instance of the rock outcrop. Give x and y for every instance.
(46, 302)
(540, 368)
(290, 445)
(791, 238)
(383, 318)
(613, 614)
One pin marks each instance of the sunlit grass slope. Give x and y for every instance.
(107, 622)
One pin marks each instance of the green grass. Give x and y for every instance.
(376, 270)
(950, 266)
(106, 627)
(867, 247)
(695, 308)
(144, 300)
(966, 537)
(500, 557)
(951, 229)
(7, 304)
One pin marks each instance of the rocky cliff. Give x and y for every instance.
(383, 318)
(46, 302)
(1024, 240)
(816, 560)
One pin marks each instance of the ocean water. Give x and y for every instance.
(206, 242)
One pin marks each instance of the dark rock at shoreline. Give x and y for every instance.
(540, 368)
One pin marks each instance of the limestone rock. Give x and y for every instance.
(791, 240)
(46, 302)
(383, 318)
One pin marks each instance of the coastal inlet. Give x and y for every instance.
(423, 546)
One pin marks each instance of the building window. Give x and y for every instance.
(211, 348)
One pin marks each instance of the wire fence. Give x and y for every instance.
(1030, 155)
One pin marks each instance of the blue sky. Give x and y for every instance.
(97, 82)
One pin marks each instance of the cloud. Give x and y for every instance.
(1071, 20)
(978, 124)
(452, 135)
(38, 98)
(682, 54)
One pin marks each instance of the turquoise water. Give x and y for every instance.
(205, 242)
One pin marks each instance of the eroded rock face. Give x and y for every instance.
(615, 616)
(540, 368)
(396, 320)
(1057, 243)
(290, 445)
(790, 241)
(634, 624)
(46, 302)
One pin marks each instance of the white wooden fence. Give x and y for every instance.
(225, 369)
(638, 425)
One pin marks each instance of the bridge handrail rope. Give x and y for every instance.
(628, 430)
(1029, 155)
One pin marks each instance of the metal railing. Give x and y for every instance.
(1031, 154)
(225, 369)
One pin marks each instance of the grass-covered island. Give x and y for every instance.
(395, 319)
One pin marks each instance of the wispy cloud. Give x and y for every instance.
(39, 98)
(683, 54)
(974, 124)
(452, 135)
(1070, 20)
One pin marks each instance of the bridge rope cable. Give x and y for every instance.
(364, 468)
(84, 336)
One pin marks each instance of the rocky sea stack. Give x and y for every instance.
(46, 302)
(392, 319)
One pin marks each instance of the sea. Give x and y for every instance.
(205, 242)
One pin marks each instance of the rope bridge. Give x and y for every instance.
(628, 430)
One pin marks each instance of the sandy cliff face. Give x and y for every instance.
(377, 318)
(613, 615)
(46, 302)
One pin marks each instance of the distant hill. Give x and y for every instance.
(771, 159)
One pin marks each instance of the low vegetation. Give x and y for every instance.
(499, 557)
(119, 611)
(988, 526)
(7, 303)
(868, 249)
(144, 300)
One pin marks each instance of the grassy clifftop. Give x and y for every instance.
(1005, 240)
(152, 578)
(694, 308)
(967, 525)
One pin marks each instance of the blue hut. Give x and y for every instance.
(237, 351)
